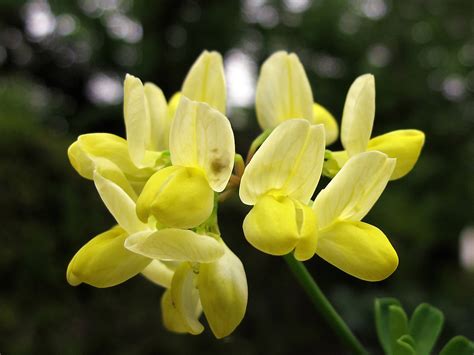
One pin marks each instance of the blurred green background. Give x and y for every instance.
(61, 69)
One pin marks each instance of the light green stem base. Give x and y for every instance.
(323, 306)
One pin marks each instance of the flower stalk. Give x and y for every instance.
(323, 306)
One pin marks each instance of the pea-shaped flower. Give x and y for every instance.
(148, 119)
(202, 156)
(279, 182)
(356, 128)
(358, 248)
(283, 92)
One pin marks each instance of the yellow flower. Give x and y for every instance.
(356, 129)
(279, 182)
(355, 247)
(105, 262)
(202, 156)
(283, 93)
(148, 119)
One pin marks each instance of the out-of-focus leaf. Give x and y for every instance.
(458, 345)
(425, 325)
(382, 321)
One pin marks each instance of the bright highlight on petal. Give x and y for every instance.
(202, 137)
(223, 292)
(358, 115)
(324, 117)
(205, 81)
(355, 189)
(177, 197)
(404, 145)
(177, 245)
(104, 262)
(289, 161)
(358, 249)
(283, 91)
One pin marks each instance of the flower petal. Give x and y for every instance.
(355, 189)
(104, 262)
(205, 81)
(223, 291)
(202, 137)
(137, 121)
(322, 116)
(119, 204)
(159, 119)
(404, 145)
(283, 91)
(271, 225)
(176, 244)
(159, 273)
(358, 115)
(172, 319)
(185, 297)
(290, 161)
(358, 249)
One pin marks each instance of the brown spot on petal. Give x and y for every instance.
(218, 165)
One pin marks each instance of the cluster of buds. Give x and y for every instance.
(163, 184)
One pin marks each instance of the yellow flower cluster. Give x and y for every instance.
(162, 184)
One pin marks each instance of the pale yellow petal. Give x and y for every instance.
(104, 262)
(136, 117)
(159, 119)
(173, 105)
(172, 320)
(159, 273)
(358, 249)
(223, 292)
(120, 205)
(205, 81)
(355, 189)
(358, 115)
(202, 137)
(185, 297)
(322, 116)
(290, 161)
(283, 91)
(112, 172)
(404, 145)
(176, 244)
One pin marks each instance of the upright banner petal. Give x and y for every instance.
(202, 137)
(290, 161)
(355, 189)
(160, 121)
(358, 115)
(283, 91)
(359, 249)
(223, 291)
(136, 114)
(205, 81)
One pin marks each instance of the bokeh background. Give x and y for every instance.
(62, 64)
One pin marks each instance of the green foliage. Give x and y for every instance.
(418, 336)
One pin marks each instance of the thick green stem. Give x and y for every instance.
(323, 305)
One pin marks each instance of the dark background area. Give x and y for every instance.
(61, 69)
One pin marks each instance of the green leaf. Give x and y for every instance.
(425, 326)
(398, 324)
(458, 345)
(382, 321)
(405, 345)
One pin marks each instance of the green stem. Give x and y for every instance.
(323, 305)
